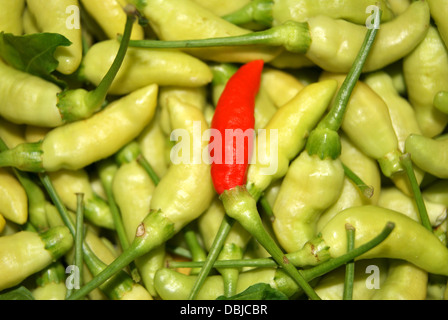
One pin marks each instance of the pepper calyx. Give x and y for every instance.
(325, 143)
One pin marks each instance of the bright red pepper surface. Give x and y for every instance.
(234, 113)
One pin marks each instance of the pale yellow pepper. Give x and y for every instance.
(197, 22)
(403, 118)
(142, 67)
(335, 43)
(110, 16)
(132, 190)
(13, 198)
(369, 277)
(154, 144)
(10, 16)
(425, 71)
(61, 17)
(351, 195)
(221, 8)
(27, 252)
(404, 281)
(394, 199)
(439, 12)
(11, 133)
(399, 6)
(281, 86)
(68, 183)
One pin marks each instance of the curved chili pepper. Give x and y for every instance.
(235, 111)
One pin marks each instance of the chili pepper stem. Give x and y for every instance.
(294, 36)
(78, 103)
(218, 243)
(366, 190)
(350, 266)
(407, 164)
(240, 205)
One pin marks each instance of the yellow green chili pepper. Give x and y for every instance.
(394, 199)
(404, 282)
(13, 198)
(439, 10)
(75, 145)
(132, 190)
(331, 285)
(398, 6)
(51, 283)
(221, 8)
(426, 72)
(280, 85)
(402, 115)
(437, 192)
(142, 67)
(11, 133)
(68, 183)
(422, 247)
(275, 12)
(27, 252)
(110, 17)
(352, 195)
(10, 16)
(429, 154)
(196, 22)
(292, 123)
(154, 144)
(51, 16)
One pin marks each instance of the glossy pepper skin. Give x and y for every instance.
(368, 124)
(439, 11)
(404, 281)
(173, 285)
(51, 16)
(10, 16)
(33, 91)
(230, 173)
(409, 240)
(13, 198)
(142, 67)
(75, 145)
(68, 183)
(425, 72)
(397, 37)
(429, 154)
(292, 122)
(197, 22)
(110, 17)
(27, 252)
(353, 11)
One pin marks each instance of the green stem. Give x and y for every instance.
(197, 252)
(350, 266)
(215, 250)
(366, 190)
(79, 238)
(148, 168)
(266, 207)
(408, 167)
(294, 36)
(106, 171)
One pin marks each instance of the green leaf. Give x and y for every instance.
(20, 293)
(259, 291)
(33, 53)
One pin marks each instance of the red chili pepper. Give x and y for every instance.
(234, 116)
